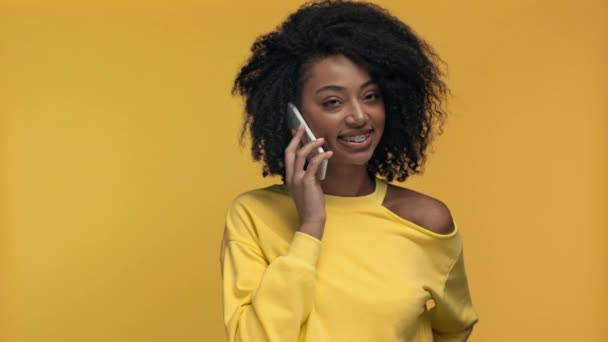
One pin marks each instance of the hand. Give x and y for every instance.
(304, 185)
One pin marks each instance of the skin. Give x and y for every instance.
(340, 98)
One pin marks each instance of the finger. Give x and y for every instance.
(303, 152)
(300, 129)
(295, 141)
(314, 163)
(310, 146)
(290, 153)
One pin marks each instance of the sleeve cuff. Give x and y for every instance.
(305, 247)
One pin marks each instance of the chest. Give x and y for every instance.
(372, 273)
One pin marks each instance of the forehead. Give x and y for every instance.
(336, 70)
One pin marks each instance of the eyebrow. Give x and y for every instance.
(340, 88)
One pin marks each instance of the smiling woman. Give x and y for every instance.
(350, 257)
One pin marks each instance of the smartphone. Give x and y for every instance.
(295, 119)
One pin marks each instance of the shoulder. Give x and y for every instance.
(268, 195)
(262, 204)
(254, 210)
(423, 210)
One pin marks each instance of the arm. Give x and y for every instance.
(266, 301)
(453, 316)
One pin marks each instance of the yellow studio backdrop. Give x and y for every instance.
(119, 156)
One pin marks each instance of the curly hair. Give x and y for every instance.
(405, 67)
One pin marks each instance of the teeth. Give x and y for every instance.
(356, 138)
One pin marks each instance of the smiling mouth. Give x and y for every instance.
(356, 143)
(357, 139)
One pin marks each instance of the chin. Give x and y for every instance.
(356, 160)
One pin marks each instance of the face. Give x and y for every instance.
(342, 103)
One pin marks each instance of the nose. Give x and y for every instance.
(357, 116)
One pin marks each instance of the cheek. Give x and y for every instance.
(314, 123)
(322, 126)
(380, 119)
(319, 130)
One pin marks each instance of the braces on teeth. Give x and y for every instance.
(357, 138)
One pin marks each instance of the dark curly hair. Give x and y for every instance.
(405, 67)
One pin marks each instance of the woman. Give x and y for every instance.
(350, 257)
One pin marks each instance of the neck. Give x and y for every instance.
(348, 181)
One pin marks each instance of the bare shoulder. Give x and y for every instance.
(425, 211)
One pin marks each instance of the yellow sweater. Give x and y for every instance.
(373, 277)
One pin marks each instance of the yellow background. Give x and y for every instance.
(119, 155)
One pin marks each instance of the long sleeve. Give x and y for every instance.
(265, 301)
(453, 316)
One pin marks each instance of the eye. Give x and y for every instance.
(331, 103)
(371, 97)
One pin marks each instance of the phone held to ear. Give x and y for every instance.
(294, 120)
